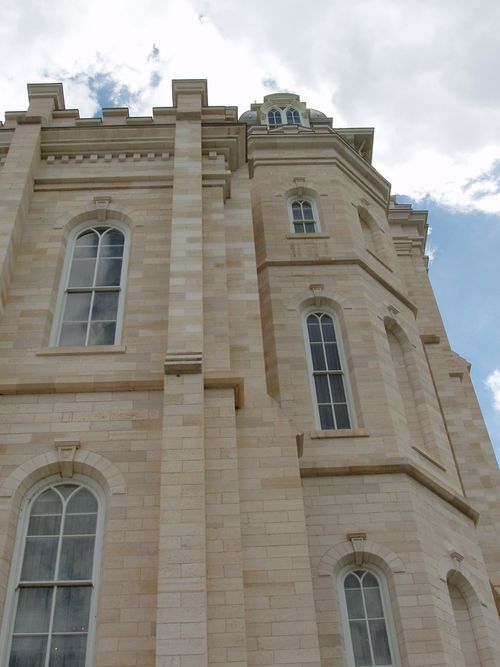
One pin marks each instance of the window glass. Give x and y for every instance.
(292, 117)
(94, 287)
(303, 217)
(367, 620)
(328, 376)
(274, 117)
(56, 584)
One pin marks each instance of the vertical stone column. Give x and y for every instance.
(182, 584)
(18, 174)
(226, 600)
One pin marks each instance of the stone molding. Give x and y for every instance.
(180, 363)
(216, 379)
(84, 462)
(403, 466)
(355, 261)
(347, 550)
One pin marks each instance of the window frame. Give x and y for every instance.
(317, 223)
(386, 606)
(343, 363)
(10, 604)
(57, 323)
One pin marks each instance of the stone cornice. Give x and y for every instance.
(403, 466)
(327, 261)
(309, 148)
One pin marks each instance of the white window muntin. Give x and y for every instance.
(65, 289)
(14, 585)
(342, 372)
(297, 222)
(383, 601)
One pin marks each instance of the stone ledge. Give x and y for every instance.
(339, 433)
(329, 261)
(83, 384)
(311, 235)
(225, 380)
(77, 349)
(402, 466)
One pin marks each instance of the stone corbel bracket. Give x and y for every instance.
(66, 450)
(101, 205)
(317, 290)
(357, 541)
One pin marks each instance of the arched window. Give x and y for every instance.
(292, 116)
(274, 117)
(327, 373)
(55, 578)
(92, 302)
(369, 629)
(303, 215)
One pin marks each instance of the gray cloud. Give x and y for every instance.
(154, 54)
(270, 84)
(421, 66)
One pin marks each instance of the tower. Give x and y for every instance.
(233, 430)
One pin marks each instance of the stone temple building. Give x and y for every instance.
(233, 432)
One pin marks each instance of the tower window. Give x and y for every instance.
(274, 117)
(292, 117)
(303, 217)
(93, 288)
(283, 116)
(367, 620)
(327, 373)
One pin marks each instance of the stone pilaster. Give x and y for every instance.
(226, 603)
(182, 583)
(18, 173)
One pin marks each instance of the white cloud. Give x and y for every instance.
(493, 383)
(423, 73)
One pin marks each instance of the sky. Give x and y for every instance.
(424, 73)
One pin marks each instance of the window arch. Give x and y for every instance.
(52, 610)
(92, 288)
(368, 627)
(326, 369)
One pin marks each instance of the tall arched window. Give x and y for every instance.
(90, 309)
(327, 373)
(304, 218)
(369, 629)
(53, 607)
(274, 117)
(292, 116)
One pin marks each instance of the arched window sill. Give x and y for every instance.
(339, 433)
(310, 235)
(81, 349)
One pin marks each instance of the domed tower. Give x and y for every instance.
(358, 359)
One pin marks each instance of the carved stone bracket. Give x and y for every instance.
(299, 181)
(180, 363)
(457, 558)
(66, 450)
(299, 438)
(358, 544)
(101, 204)
(317, 291)
(392, 310)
